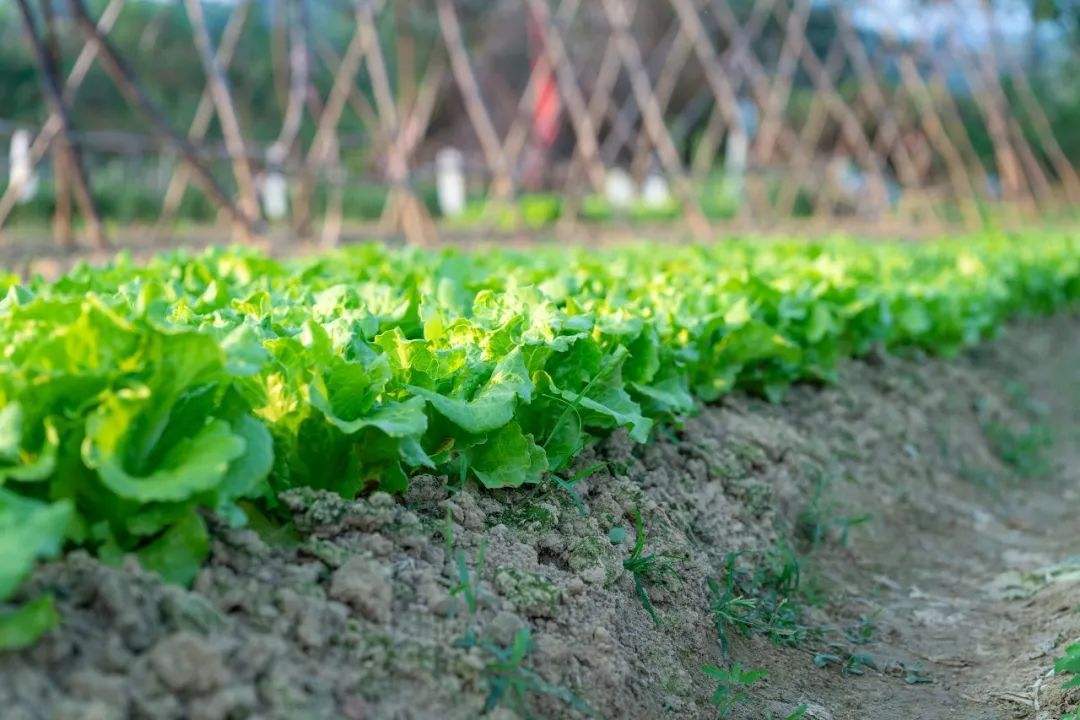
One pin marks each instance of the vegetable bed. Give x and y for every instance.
(133, 398)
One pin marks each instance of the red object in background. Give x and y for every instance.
(547, 106)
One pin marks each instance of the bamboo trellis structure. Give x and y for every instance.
(663, 87)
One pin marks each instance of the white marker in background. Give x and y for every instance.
(619, 189)
(735, 156)
(21, 174)
(737, 150)
(450, 182)
(274, 189)
(655, 192)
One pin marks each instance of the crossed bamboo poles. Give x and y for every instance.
(869, 128)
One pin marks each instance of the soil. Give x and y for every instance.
(930, 503)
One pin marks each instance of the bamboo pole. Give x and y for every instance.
(937, 136)
(415, 126)
(152, 30)
(953, 122)
(124, 79)
(576, 106)
(666, 82)
(706, 54)
(502, 186)
(727, 106)
(328, 120)
(405, 53)
(808, 139)
(794, 39)
(1040, 184)
(1063, 168)
(62, 230)
(357, 100)
(423, 107)
(849, 124)
(652, 115)
(1013, 184)
(298, 84)
(54, 96)
(49, 130)
(226, 110)
(404, 210)
(624, 118)
(886, 140)
(760, 88)
(518, 133)
(599, 107)
(1030, 173)
(204, 113)
(331, 229)
(738, 56)
(279, 38)
(600, 101)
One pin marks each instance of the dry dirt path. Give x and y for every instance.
(976, 587)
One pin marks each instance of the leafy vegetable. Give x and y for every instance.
(134, 398)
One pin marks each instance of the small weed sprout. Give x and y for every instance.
(568, 486)
(732, 685)
(848, 662)
(730, 609)
(1070, 665)
(511, 682)
(768, 602)
(465, 585)
(507, 677)
(819, 522)
(863, 632)
(644, 568)
(916, 675)
(1022, 450)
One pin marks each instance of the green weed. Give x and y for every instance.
(568, 485)
(916, 675)
(510, 682)
(767, 602)
(861, 633)
(850, 663)
(732, 685)
(1022, 450)
(465, 586)
(1070, 665)
(646, 569)
(820, 520)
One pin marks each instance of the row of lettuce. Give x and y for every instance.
(136, 397)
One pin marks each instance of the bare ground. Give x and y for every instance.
(932, 505)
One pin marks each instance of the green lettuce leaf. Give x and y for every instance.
(29, 530)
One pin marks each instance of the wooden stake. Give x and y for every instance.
(226, 110)
(653, 116)
(52, 125)
(328, 122)
(502, 183)
(55, 98)
(570, 91)
(62, 231)
(204, 113)
(124, 79)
